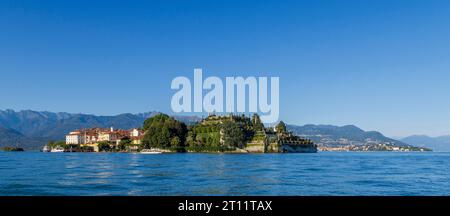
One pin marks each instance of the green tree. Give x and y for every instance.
(104, 146)
(281, 127)
(190, 139)
(257, 124)
(160, 131)
(233, 135)
(124, 142)
(175, 142)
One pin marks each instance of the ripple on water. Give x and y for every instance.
(331, 173)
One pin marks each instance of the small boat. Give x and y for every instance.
(57, 149)
(46, 149)
(150, 151)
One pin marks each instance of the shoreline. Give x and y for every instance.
(205, 152)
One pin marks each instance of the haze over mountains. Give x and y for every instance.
(439, 144)
(33, 129)
(333, 136)
(11, 137)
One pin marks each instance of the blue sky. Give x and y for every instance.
(381, 65)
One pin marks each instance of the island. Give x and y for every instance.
(213, 134)
(12, 149)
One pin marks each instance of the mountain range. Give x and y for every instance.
(334, 136)
(10, 137)
(32, 129)
(439, 144)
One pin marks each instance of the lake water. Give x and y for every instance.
(324, 173)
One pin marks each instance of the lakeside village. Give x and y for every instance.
(163, 134)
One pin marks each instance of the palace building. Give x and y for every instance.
(95, 135)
